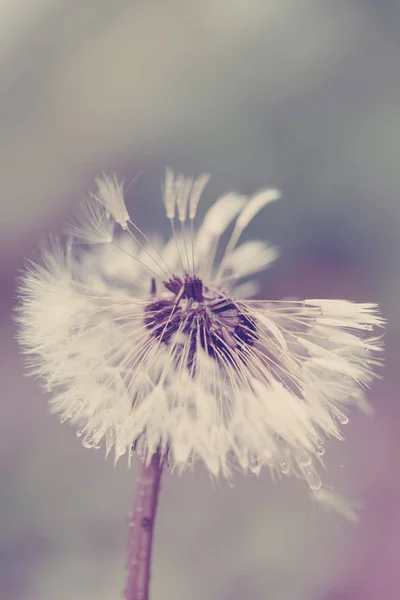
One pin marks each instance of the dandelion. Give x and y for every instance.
(156, 347)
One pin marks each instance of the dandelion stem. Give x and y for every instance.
(141, 529)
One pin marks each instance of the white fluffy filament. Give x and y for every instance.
(93, 225)
(110, 194)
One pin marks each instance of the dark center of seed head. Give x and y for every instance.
(192, 287)
(216, 322)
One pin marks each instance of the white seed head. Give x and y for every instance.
(149, 346)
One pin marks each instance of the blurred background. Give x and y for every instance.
(303, 95)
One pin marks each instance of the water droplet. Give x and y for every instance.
(303, 458)
(341, 417)
(320, 450)
(255, 469)
(284, 467)
(312, 478)
(88, 442)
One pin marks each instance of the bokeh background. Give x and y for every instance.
(303, 95)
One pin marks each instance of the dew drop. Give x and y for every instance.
(312, 478)
(320, 450)
(255, 469)
(284, 467)
(88, 442)
(341, 417)
(303, 459)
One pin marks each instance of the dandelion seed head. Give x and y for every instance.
(156, 346)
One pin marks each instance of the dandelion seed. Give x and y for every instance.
(110, 194)
(183, 193)
(153, 347)
(93, 225)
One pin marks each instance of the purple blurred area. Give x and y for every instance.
(302, 95)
